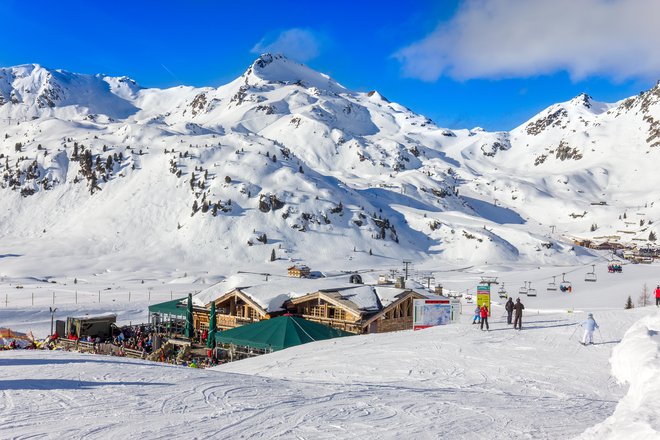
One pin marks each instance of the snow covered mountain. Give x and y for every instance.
(286, 158)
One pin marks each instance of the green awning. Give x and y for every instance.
(173, 307)
(278, 333)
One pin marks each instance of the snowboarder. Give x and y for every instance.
(657, 296)
(483, 313)
(589, 326)
(509, 310)
(477, 317)
(517, 320)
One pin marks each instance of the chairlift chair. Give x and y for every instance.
(502, 292)
(530, 291)
(591, 276)
(552, 286)
(523, 290)
(614, 267)
(565, 286)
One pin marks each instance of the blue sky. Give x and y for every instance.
(489, 63)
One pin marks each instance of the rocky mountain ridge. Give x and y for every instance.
(286, 158)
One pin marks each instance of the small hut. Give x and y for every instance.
(298, 271)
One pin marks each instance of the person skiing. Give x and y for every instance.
(518, 307)
(657, 296)
(589, 326)
(509, 310)
(483, 313)
(477, 317)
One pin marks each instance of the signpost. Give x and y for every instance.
(483, 296)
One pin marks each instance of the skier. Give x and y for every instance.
(657, 296)
(483, 313)
(589, 326)
(509, 310)
(517, 320)
(477, 318)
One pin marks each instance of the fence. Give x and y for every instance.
(21, 297)
(101, 348)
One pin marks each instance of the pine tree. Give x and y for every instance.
(629, 303)
(652, 236)
(273, 257)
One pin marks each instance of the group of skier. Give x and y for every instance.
(481, 314)
(514, 313)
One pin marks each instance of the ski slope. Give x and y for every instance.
(450, 382)
(447, 382)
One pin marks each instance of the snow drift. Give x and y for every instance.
(635, 361)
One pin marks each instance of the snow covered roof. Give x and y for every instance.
(272, 294)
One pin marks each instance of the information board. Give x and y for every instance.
(431, 312)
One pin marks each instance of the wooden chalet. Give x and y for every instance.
(298, 271)
(396, 316)
(344, 304)
(358, 310)
(607, 246)
(233, 309)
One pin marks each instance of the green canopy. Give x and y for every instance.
(210, 340)
(168, 307)
(278, 333)
(189, 332)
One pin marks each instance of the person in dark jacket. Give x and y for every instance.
(509, 310)
(518, 307)
(483, 313)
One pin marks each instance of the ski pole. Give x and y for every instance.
(601, 336)
(576, 327)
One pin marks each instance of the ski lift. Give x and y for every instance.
(552, 286)
(591, 276)
(523, 290)
(614, 267)
(530, 291)
(565, 286)
(502, 292)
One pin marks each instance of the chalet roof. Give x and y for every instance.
(301, 267)
(367, 299)
(272, 294)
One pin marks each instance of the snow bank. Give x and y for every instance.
(636, 361)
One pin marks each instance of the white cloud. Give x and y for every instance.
(299, 44)
(519, 38)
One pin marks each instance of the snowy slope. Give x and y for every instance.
(452, 382)
(108, 170)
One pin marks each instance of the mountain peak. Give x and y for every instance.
(277, 68)
(583, 100)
